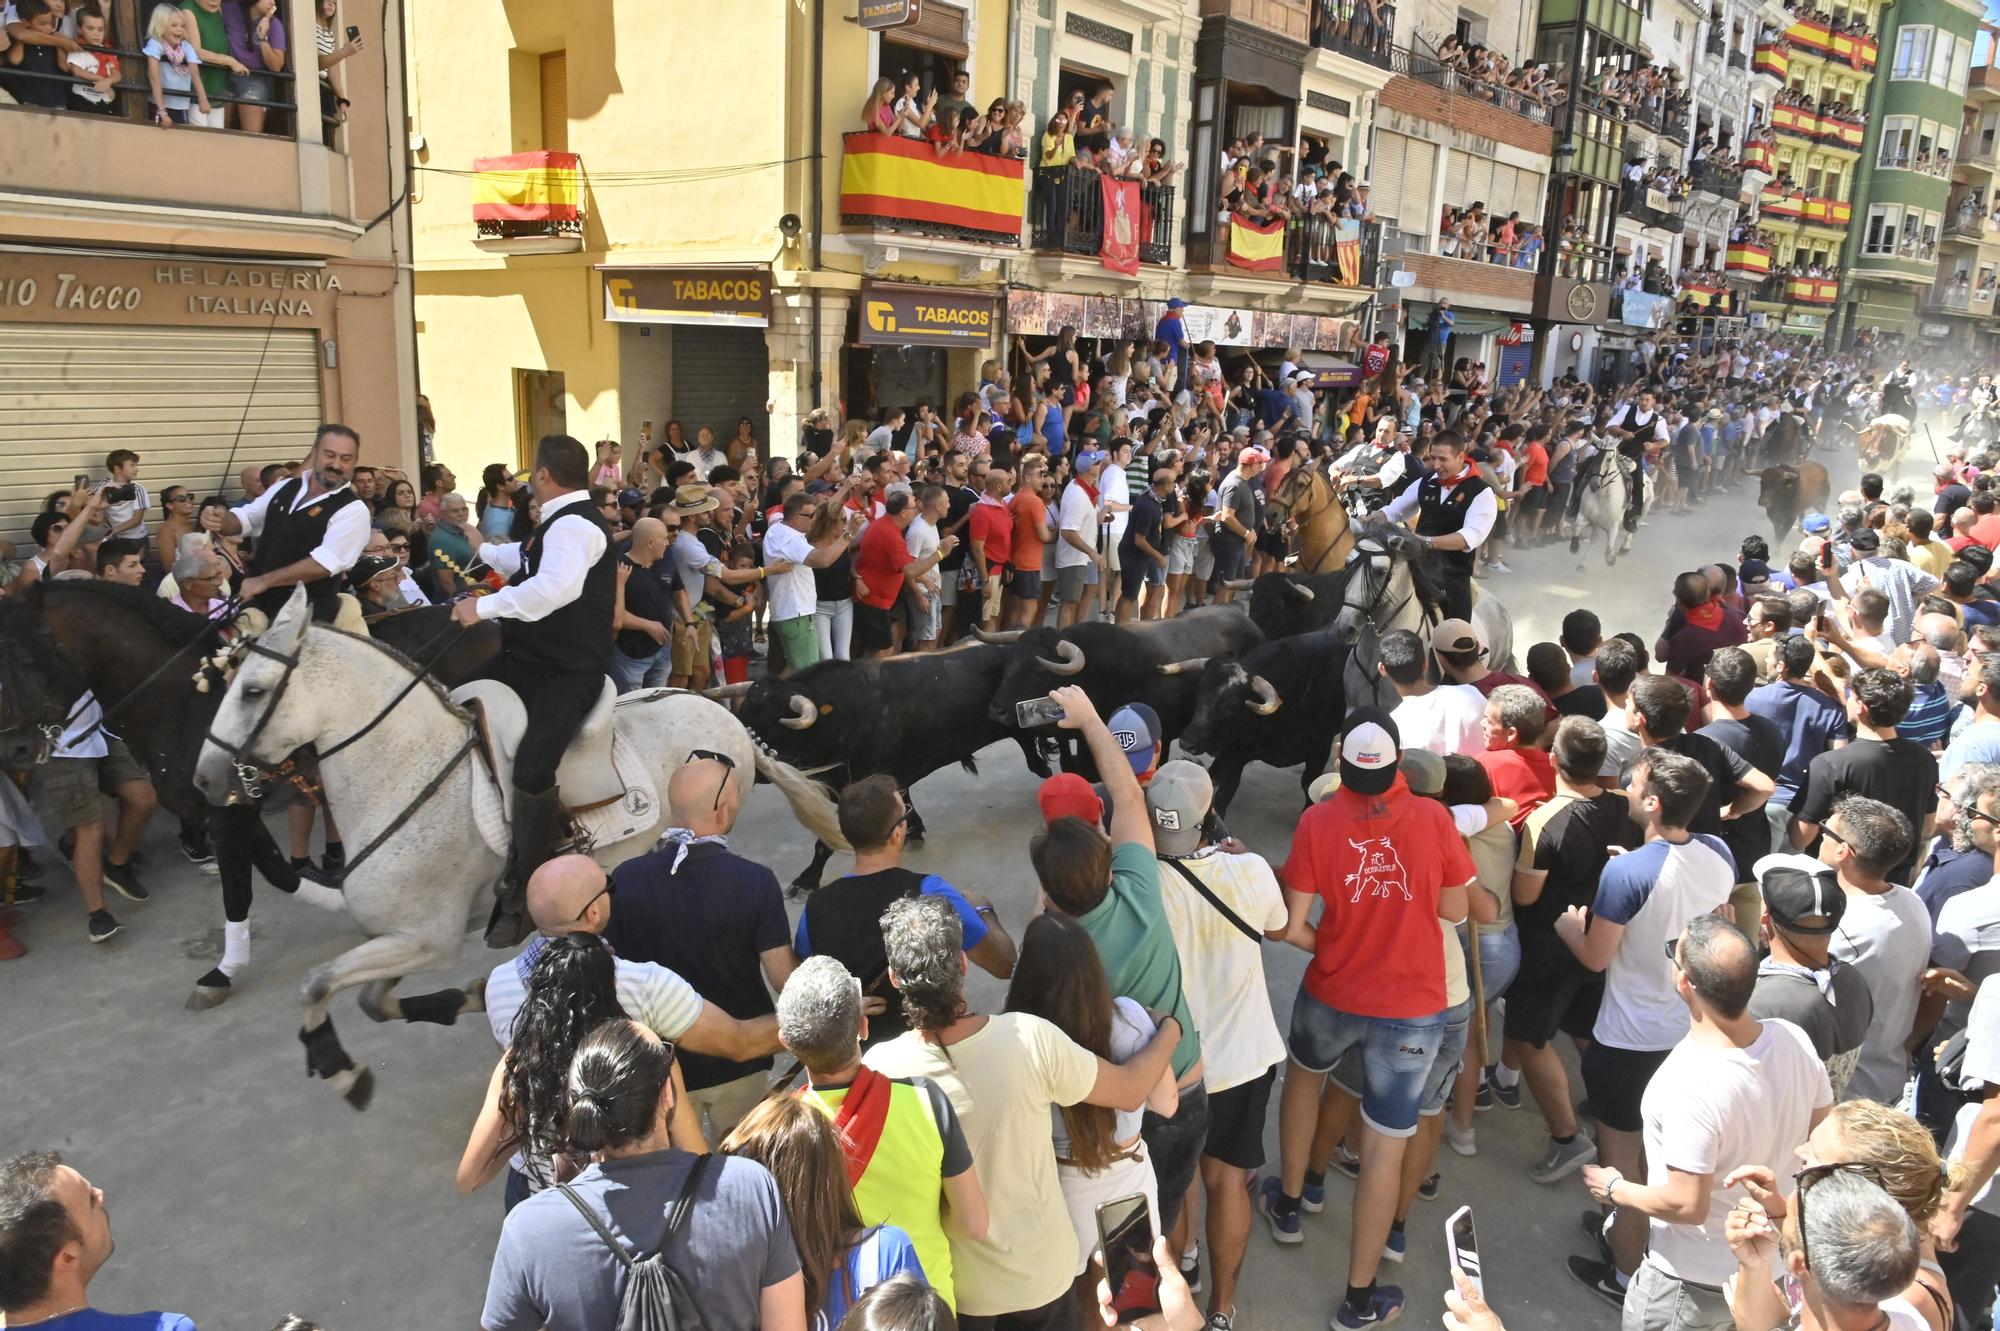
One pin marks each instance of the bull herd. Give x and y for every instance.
(1262, 682)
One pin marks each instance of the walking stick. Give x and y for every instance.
(1932, 442)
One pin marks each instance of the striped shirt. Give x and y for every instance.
(651, 994)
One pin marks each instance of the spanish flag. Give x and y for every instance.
(1258, 246)
(1749, 258)
(527, 187)
(886, 180)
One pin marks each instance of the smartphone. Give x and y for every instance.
(1125, 1231)
(81, 481)
(353, 33)
(1032, 712)
(1462, 1246)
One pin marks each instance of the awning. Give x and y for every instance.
(1466, 323)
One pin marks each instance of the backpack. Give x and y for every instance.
(656, 1297)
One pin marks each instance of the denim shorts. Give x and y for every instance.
(1349, 1074)
(254, 87)
(1396, 1057)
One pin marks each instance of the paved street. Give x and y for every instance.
(240, 1191)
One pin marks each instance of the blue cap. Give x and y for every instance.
(1816, 524)
(1176, 303)
(1085, 461)
(1136, 727)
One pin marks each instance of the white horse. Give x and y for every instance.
(1601, 507)
(1383, 594)
(417, 796)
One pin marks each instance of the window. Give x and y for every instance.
(1899, 135)
(1961, 67)
(1471, 28)
(1402, 170)
(1913, 53)
(1880, 237)
(1942, 52)
(1680, 33)
(1947, 141)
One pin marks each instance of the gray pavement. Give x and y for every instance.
(240, 1191)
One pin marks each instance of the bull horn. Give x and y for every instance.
(1238, 584)
(1004, 636)
(803, 714)
(1303, 593)
(1267, 697)
(727, 691)
(1182, 667)
(1071, 663)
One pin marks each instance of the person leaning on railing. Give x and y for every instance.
(332, 51)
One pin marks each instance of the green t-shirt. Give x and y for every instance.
(213, 37)
(1132, 936)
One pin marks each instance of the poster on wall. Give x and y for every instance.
(1214, 323)
(1103, 316)
(1046, 313)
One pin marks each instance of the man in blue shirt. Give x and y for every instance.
(1442, 320)
(1812, 721)
(55, 1235)
(1968, 825)
(1979, 742)
(1173, 331)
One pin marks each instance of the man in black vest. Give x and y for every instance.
(555, 640)
(1455, 513)
(1642, 429)
(309, 530)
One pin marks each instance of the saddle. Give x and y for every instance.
(603, 781)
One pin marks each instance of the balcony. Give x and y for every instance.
(1758, 157)
(1786, 289)
(1349, 28)
(1776, 206)
(897, 184)
(1743, 259)
(1815, 40)
(1423, 69)
(1654, 209)
(1287, 18)
(1712, 179)
(1068, 216)
(1341, 253)
(1737, 60)
(1960, 298)
(1773, 58)
(528, 203)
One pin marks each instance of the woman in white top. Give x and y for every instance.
(1482, 819)
(1099, 1153)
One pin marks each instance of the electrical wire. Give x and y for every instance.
(636, 179)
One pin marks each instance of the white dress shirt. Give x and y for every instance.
(569, 551)
(1480, 512)
(346, 531)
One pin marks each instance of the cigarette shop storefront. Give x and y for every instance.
(201, 366)
(909, 343)
(691, 348)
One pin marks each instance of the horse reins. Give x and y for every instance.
(215, 625)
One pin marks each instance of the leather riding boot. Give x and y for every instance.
(537, 829)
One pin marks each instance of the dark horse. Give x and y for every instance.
(139, 656)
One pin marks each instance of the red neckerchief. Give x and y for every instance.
(862, 1115)
(1087, 490)
(1707, 615)
(1463, 472)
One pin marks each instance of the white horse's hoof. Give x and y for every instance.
(356, 1086)
(210, 991)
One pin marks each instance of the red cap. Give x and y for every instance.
(1067, 795)
(1252, 454)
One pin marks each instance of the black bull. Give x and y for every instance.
(1120, 664)
(1283, 605)
(903, 717)
(1281, 704)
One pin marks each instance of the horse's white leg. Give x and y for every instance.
(386, 958)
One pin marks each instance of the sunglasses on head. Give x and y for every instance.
(728, 766)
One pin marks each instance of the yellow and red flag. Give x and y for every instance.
(527, 187)
(1257, 246)
(886, 180)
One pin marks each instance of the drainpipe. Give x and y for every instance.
(817, 210)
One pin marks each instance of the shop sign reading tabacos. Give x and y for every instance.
(903, 316)
(733, 296)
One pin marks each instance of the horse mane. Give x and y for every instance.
(171, 622)
(395, 654)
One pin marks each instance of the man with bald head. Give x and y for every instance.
(714, 918)
(252, 477)
(642, 650)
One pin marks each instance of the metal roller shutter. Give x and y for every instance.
(175, 396)
(719, 375)
(1514, 363)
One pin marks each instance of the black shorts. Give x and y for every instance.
(1226, 549)
(1615, 1080)
(1552, 995)
(873, 631)
(1236, 1122)
(1025, 583)
(1273, 544)
(1499, 525)
(1132, 577)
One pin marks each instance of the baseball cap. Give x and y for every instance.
(1252, 454)
(1067, 795)
(1455, 635)
(1136, 727)
(1369, 750)
(1865, 539)
(1179, 797)
(631, 498)
(1798, 887)
(369, 567)
(1176, 303)
(1085, 461)
(1753, 572)
(1816, 524)
(1423, 771)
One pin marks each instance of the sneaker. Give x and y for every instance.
(1562, 1161)
(28, 893)
(1428, 1189)
(1284, 1226)
(1219, 1322)
(1190, 1264)
(1461, 1139)
(1312, 1196)
(1396, 1246)
(124, 880)
(195, 845)
(103, 925)
(1507, 1097)
(1497, 566)
(1593, 1221)
(1383, 1308)
(1600, 1278)
(1483, 1101)
(1346, 1161)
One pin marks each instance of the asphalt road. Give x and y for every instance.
(239, 1190)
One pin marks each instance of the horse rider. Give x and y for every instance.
(1378, 465)
(1979, 406)
(309, 531)
(555, 636)
(1897, 388)
(1455, 513)
(1641, 428)
(1806, 403)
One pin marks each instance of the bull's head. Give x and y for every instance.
(1042, 660)
(1229, 696)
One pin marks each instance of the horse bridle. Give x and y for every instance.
(248, 773)
(1372, 589)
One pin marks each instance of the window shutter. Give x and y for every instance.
(940, 28)
(555, 101)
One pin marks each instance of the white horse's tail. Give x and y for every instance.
(812, 804)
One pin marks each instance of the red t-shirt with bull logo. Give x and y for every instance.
(1378, 864)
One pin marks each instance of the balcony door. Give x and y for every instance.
(541, 408)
